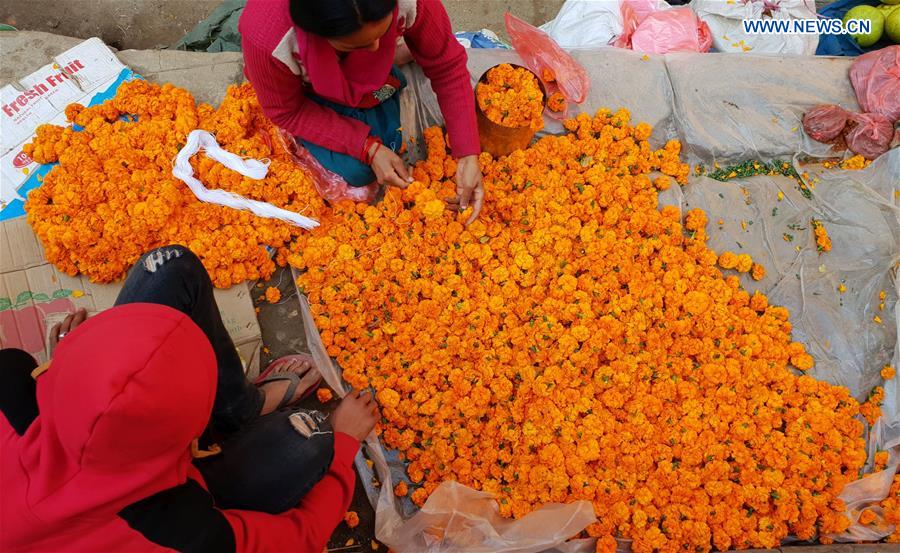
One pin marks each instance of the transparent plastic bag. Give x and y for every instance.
(825, 123)
(876, 80)
(331, 186)
(869, 134)
(540, 53)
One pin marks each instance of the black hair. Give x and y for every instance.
(334, 18)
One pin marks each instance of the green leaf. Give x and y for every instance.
(41, 297)
(5, 303)
(58, 294)
(23, 297)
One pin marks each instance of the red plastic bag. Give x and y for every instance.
(659, 31)
(826, 122)
(331, 186)
(869, 134)
(540, 52)
(876, 80)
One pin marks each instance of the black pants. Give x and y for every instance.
(265, 464)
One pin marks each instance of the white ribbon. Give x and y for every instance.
(252, 168)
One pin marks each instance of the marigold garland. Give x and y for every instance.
(511, 97)
(578, 342)
(113, 197)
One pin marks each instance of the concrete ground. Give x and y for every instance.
(142, 24)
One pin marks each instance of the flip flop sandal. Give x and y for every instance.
(293, 378)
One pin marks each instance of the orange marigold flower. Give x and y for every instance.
(606, 544)
(324, 395)
(881, 460)
(867, 516)
(351, 518)
(728, 260)
(556, 102)
(888, 372)
(744, 263)
(400, 490)
(273, 295)
(758, 272)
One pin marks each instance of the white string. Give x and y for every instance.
(253, 168)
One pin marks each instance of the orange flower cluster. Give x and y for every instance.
(823, 241)
(113, 197)
(576, 342)
(871, 409)
(511, 97)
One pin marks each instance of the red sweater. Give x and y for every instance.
(106, 465)
(268, 38)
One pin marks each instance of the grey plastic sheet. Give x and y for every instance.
(731, 107)
(724, 108)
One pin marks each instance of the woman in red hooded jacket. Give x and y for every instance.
(97, 446)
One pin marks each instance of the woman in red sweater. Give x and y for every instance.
(324, 71)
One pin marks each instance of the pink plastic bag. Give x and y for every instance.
(540, 52)
(876, 80)
(869, 134)
(654, 31)
(331, 186)
(824, 123)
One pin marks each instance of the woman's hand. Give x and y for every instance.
(389, 168)
(59, 330)
(469, 186)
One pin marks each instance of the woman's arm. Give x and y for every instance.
(280, 95)
(443, 60)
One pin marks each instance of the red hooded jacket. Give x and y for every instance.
(106, 465)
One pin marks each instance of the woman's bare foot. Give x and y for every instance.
(273, 392)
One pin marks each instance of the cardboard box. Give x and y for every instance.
(34, 295)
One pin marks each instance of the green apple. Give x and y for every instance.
(875, 16)
(892, 26)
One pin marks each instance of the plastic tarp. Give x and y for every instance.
(732, 107)
(218, 32)
(727, 108)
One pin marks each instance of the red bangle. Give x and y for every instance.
(368, 152)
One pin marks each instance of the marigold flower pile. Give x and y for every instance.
(113, 197)
(575, 342)
(511, 97)
(579, 342)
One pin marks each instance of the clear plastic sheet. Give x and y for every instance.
(731, 107)
(688, 96)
